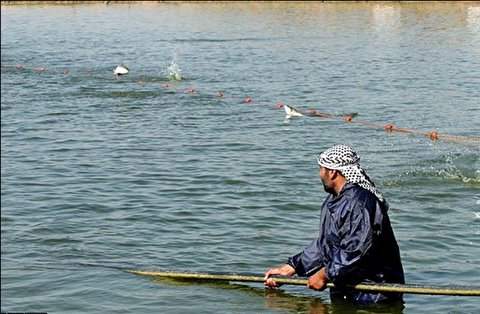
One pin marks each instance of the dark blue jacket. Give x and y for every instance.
(356, 244)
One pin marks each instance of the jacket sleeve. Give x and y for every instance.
(309, 261)
(354, 237)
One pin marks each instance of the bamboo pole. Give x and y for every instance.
(302, 281)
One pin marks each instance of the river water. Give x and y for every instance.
(148, 172)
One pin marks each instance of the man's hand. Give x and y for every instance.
(285, 270)
(318, 281)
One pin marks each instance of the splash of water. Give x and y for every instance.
(460, 166)
(174, 70)
(464, 167)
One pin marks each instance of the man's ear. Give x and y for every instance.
(333, 174)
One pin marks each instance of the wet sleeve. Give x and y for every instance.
(355, 237)
(307, 262)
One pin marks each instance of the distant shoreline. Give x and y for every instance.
(74, 2)
(205, 2)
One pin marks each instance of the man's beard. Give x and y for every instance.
(329, 188)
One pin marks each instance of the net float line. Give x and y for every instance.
(388, 127)
(21, 67)
(432, 135)
(166, 85)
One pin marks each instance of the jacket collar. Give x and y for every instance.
(334, 199)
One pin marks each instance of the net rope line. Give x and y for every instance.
(389, 127)
(454, 290)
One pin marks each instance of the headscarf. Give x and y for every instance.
(345, 160)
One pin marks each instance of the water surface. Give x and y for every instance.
(141, 172)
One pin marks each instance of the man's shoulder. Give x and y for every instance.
(358, 193)
(355, 189)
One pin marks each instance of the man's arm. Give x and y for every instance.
(356, 238)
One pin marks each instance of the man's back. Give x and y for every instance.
(358, 242)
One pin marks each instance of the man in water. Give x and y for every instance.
(356, 242)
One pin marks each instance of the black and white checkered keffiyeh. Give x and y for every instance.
(346, 161)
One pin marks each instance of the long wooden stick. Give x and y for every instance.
(302, 281)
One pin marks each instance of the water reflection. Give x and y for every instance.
(386, 17)
(278, 299)
(343, 307)
(473, 18)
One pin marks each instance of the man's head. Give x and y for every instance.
(339, 163)
(331, 162)
(333, 181)
(338, 157)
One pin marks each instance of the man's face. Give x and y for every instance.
(325, 176)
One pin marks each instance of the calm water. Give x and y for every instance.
(139, 174)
